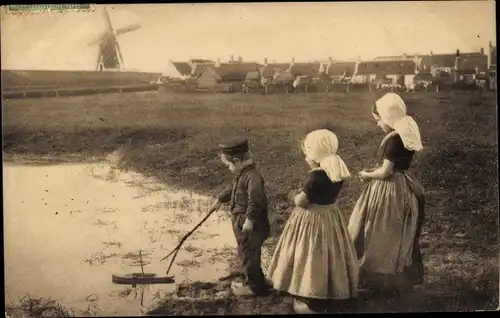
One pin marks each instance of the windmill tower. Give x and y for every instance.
(109, 56)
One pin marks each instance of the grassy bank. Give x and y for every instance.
(174, 138)
(37, 307)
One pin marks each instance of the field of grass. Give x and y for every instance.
(37, 79)
(174, 137)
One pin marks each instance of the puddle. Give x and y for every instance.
(68, 228)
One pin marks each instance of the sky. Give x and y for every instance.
(254, 31)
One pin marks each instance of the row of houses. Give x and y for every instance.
(400, 70)
(206, 71)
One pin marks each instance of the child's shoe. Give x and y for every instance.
(240, 289)
(302, 308)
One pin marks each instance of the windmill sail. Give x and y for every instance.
(110, 55)
(107, 19)
(128, 29)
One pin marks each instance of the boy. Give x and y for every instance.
(248, 208)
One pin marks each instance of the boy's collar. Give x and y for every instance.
(244, 165)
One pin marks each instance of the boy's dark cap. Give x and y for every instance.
(234, 146)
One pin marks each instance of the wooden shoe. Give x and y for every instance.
(241, 290)
(302, 308)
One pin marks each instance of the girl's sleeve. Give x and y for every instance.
(393, 149)
(309, 184)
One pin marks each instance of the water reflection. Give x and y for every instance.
(69, 228)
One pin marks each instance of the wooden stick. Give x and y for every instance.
(172, 260)
(142, 265)
(177, 248)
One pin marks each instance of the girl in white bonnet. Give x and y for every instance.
(315, 258)
(387, 218)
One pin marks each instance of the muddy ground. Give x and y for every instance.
(174, 137)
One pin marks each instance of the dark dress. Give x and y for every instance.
(320, 189)
(395, 151)
(386, 222)
(314, 257)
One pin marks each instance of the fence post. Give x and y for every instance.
(305, 89)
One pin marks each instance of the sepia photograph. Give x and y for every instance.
(249, 158)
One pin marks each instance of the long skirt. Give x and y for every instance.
(315, 257)
(385, 227)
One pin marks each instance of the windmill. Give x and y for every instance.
(109, 56)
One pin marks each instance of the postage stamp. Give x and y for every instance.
(61, 7)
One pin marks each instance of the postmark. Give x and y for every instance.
(40, 8)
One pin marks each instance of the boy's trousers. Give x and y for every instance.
(249, 251)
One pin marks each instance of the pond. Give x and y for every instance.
(70, 227)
